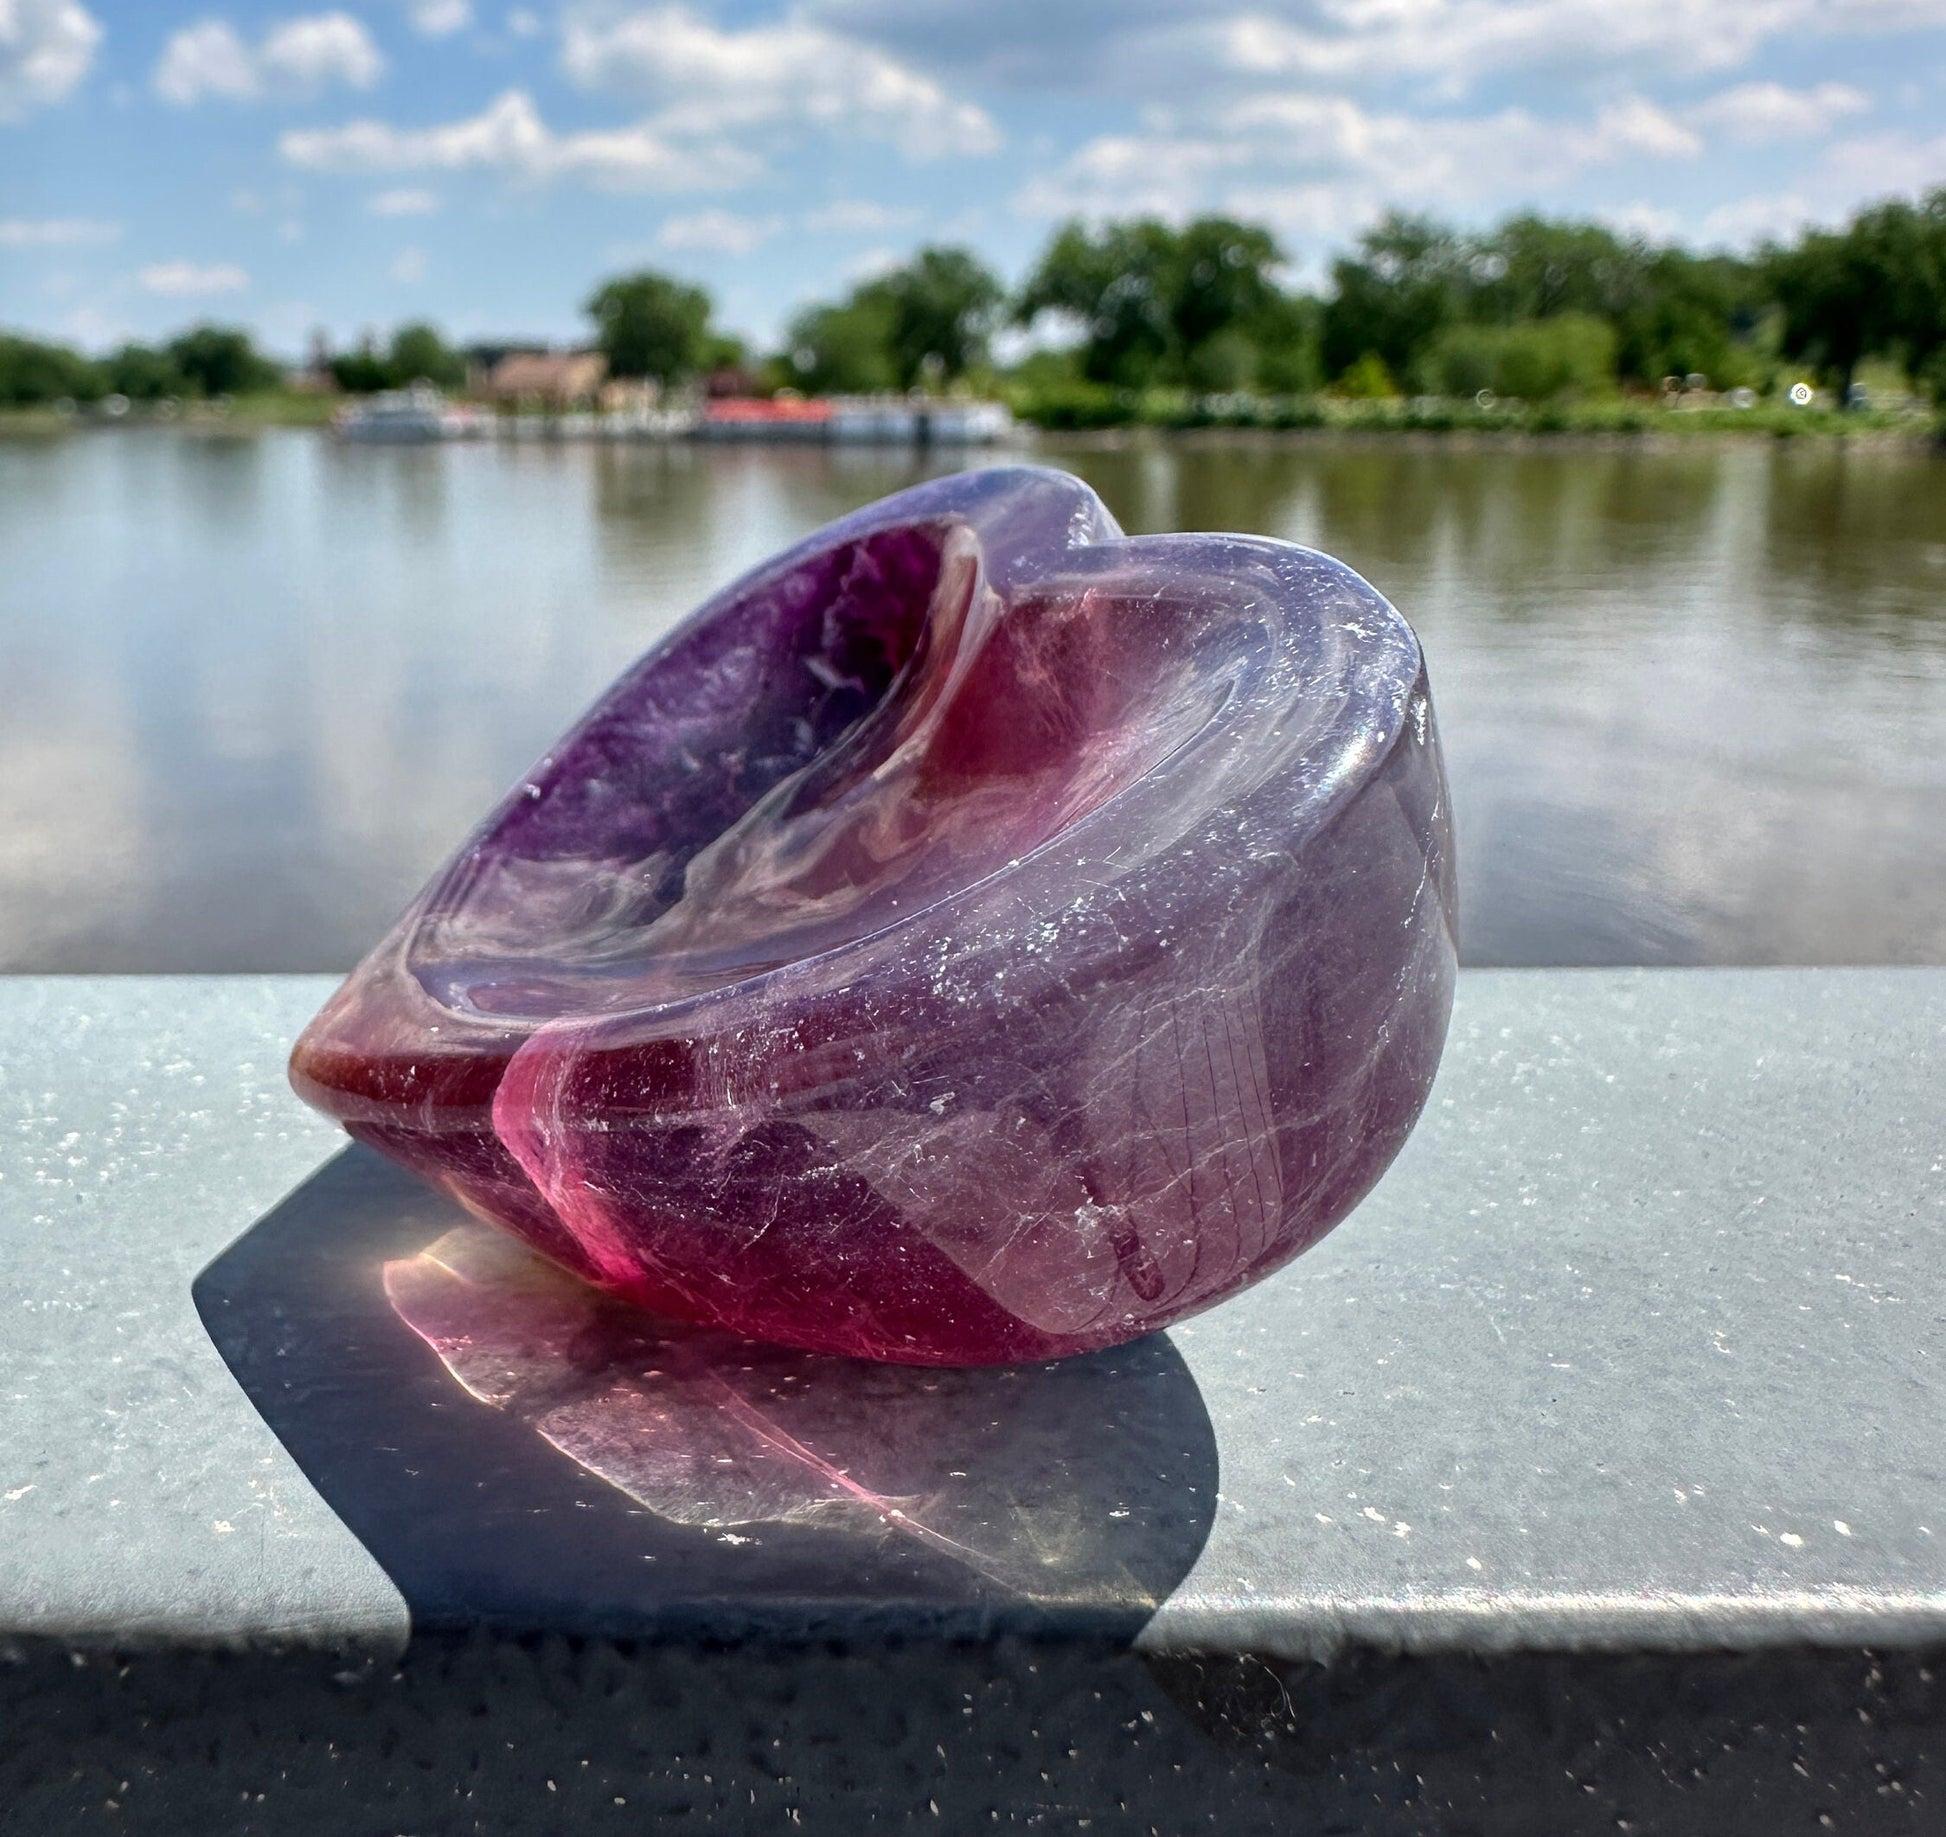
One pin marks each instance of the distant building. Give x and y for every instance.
(732, 381)
(481, 359)
(629, 395)
(540, 378)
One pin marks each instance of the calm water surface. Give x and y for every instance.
(256, 687)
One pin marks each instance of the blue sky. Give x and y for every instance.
(484, 164)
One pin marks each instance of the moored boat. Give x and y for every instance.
(883, 420)
(419, 412)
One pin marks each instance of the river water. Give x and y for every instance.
(258, 685)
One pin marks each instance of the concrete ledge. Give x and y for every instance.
(1639, 1345)
(1626, 1383)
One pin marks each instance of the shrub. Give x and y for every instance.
(1367, 380)
(1569, 356)
(33, 372)
(1073, 406)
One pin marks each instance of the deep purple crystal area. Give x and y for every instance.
(974, 936)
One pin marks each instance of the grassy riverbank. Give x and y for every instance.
(272, 408)
(1084, 408)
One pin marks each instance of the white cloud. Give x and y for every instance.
(1168, 47)
(298, 56)
(521, 23)
(859, 217)
(207, 59)
(325, 48)
(1745, 222)
(94, 325)
(1458, 43)
(189, 280)
(409, 267)
(1634, 125)
(1651, 222)
(55, 232)
(721, 231)
(439, 18)
(1320, 164)
(410, 202)
(704, 80)
(1753, 113)
(870, 265)
(1871, 165)
(509, 136)
(729, 233)
(46, 47)
(1850, 173)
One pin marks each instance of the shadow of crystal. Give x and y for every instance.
(517, 1450)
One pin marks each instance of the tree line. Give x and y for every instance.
(204, 361)
(1534, 308)
(208, 362)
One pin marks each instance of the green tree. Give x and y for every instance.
(417, 351)
(1109, 282)
(1367, 379)
(145, 374)
(1413, 281)
(725, 351)
(844, 349)
(1161, 305)
(1220, 283)
(363, 369)
(1533, 267)
(1692, 313)
(938, 311)
(1876, 287)
(1541, 360)
(1836, 289)
(1286, 335)
(650, 324)
(1408, 281)
(33, 372)
(1829, 297)
(221, 360)
(1921, 292)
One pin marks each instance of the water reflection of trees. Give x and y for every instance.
(1675, 730)
(676, 521)
(1512, 519)
(1690, 691)
(1853, 540)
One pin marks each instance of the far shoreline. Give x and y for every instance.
(1265, 426)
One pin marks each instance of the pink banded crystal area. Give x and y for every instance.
(975, 936)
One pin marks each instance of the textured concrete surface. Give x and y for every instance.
(1638, 1345)
(1642, 1342)
(146, 1123)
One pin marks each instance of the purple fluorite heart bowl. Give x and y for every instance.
(974, 936)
